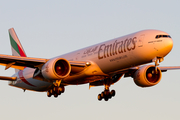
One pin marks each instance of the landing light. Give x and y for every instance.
(88, 63)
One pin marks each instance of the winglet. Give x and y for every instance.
(17, 49)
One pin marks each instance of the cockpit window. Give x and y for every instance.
(164, 36)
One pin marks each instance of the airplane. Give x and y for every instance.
(101, 64)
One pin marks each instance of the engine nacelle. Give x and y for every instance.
(146, 76)
(55, 69)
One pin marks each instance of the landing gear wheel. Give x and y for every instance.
(99, 97)
(107, 93)
(102, 95)
(49, 94)
(55, 95)
(113, 93)
(106, 98)
(56, 90)
(110, 96)
(59, 93)
(52, 92)
(62, 89)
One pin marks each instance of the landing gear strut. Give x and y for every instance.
(157, 60)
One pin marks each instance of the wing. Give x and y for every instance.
(129, 72)
(7, 78)
(164, 69)
(20, 62)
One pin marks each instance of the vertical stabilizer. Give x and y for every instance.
(16, 47)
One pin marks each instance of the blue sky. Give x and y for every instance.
(51, 28)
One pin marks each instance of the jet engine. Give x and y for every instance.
(55, 69)
(147, 76)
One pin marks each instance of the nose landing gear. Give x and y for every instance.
(157, 60)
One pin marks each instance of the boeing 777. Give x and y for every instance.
(102, 64)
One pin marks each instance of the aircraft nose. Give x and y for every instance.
(164, 47)
(168, 45)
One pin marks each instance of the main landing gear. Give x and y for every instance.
(107, 94)
(56, 91)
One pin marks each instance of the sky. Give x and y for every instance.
(50, 28)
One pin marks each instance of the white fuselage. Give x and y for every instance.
(106, 58)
